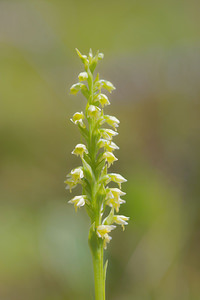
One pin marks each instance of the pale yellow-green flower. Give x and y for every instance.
(111, 120)
(78, 201)
(78, 119)
(75, 88)
(83, 76)
(70, 184)
(120, 220)
(108, 133)
(106, 85)
(109, 157)
(79, 150)
(74, 177)
(108, 145)
(116, 178)
(113, 198)
(103, 100)
(77, 174)
(102, 232)
(94, 111)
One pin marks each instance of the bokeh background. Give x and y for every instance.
(152, 55)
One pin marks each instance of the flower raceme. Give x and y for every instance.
(97, 152)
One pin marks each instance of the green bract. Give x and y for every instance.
(96, 154)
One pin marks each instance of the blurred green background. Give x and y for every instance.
(152, 56)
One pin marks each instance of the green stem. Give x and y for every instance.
(98, 273)
(97, 247)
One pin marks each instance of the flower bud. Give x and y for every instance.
(83, 58)
(100, 56)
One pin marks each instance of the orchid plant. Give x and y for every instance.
(101, 202)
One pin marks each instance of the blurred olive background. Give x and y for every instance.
(152, 55)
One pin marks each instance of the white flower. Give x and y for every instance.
(102, 232)
(109, 157)
(111, 120)
(78, 201)
(83, 76)
(113, 198)
(79, 150)
(94, 111)
(121, 220)
(108, 133)
(78, 119)
(116, 178)
(103, 99)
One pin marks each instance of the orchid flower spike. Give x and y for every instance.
(96, 152)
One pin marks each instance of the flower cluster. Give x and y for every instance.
(101, 201)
